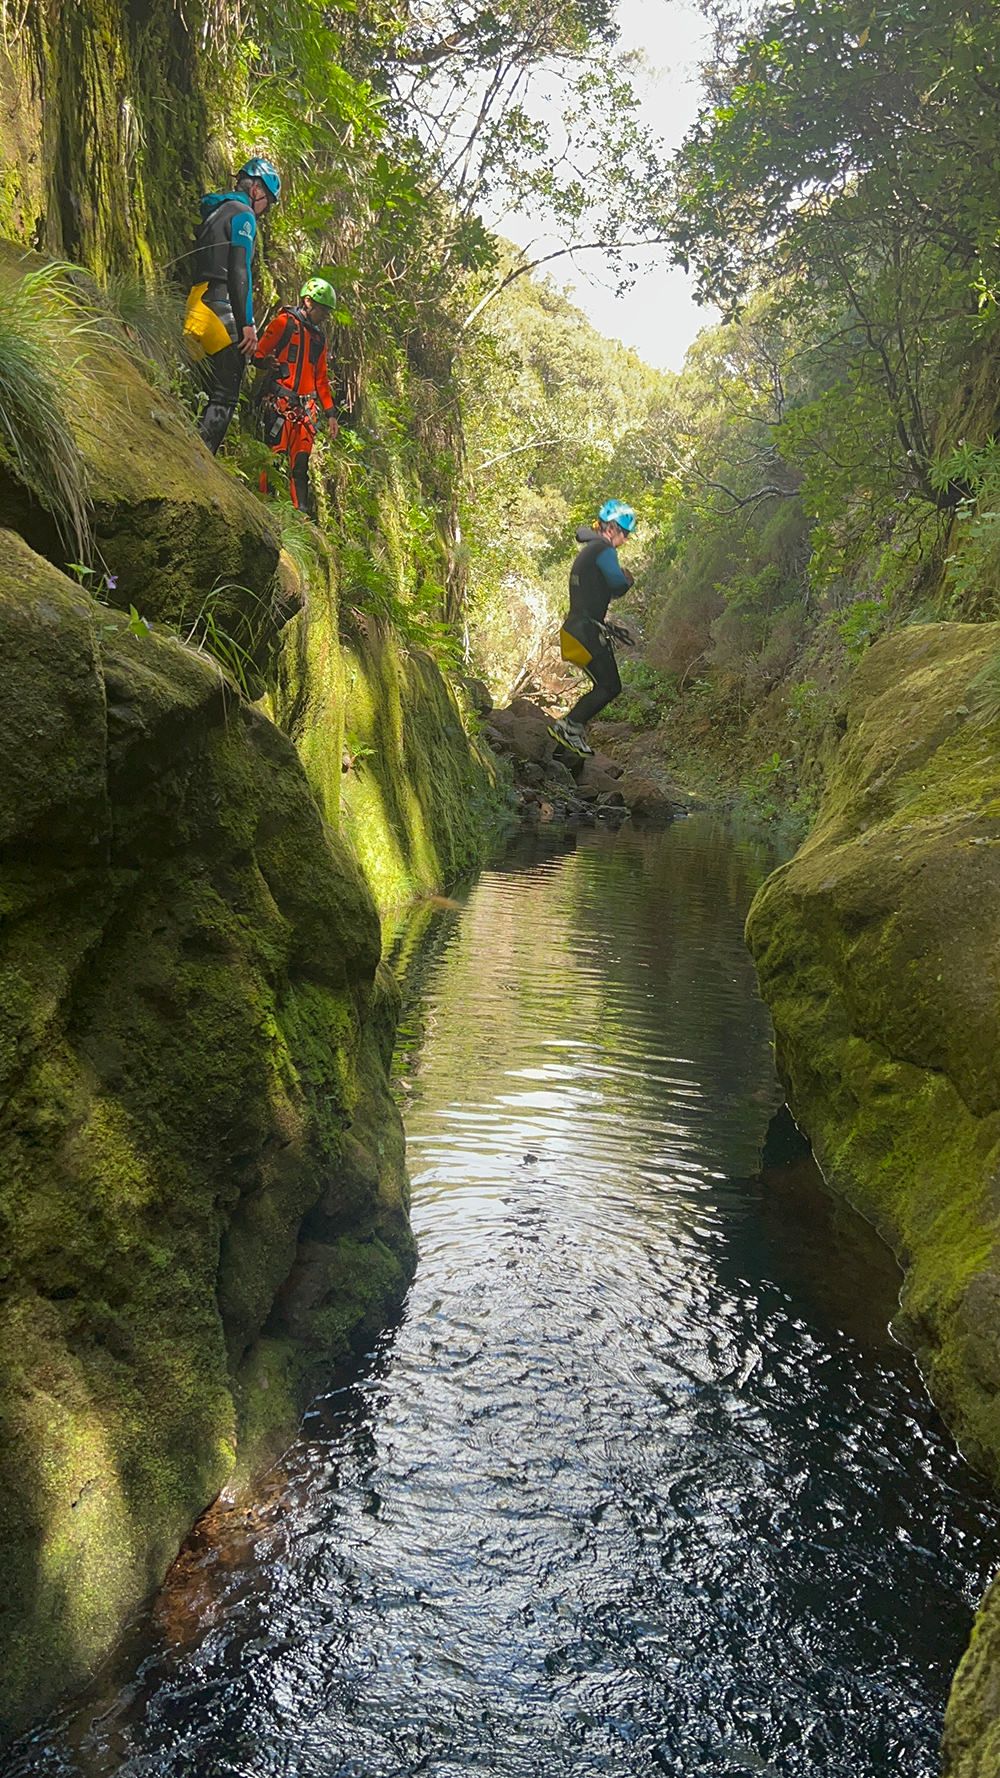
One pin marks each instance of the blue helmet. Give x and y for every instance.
(258, 168)
(615, 512)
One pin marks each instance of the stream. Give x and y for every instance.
(640, 1482)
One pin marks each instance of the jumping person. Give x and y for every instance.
(219, 326)
(295, 387)
(585, 639)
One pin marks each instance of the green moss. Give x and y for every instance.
(420, 801)
(360, 1277)
(179, 535)
(190, 1023)
(92, 138)
(971, 1746)
(384, 745)
(22, 177)
(355, 1256)
(877, 952)
(306, 697)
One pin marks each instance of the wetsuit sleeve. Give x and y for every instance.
(615, 577)
(242, 236)
(270, 337)
(323, 385)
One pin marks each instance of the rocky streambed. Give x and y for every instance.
(551, 784)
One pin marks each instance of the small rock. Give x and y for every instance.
(592, 782)
(602, 762)
(525, 737)
(560, 775)
(525, 711)
(645, 800)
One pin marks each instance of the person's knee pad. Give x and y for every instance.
(215, 421)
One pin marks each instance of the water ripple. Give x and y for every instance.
(639, 1485)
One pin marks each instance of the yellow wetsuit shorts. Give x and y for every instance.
(205, 331)
(573, 650)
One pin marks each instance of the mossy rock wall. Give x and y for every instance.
(105, 126)
(421, 800)
(387, 750)
(878, 948)
(201, 1181)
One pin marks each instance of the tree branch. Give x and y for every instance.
(531, 265)
(533, 444)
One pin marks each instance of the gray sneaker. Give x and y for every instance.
(570, 735)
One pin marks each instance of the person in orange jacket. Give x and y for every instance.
(295, 389)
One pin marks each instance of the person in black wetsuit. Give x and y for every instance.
(219, 328)
(585, 640)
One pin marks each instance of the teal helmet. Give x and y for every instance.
(320, 291)
(258, 168)
(615, 512)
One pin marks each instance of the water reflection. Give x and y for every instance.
(637, 1486)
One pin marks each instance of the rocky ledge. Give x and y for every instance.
(551, 784)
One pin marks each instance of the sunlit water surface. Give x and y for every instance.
(639, 1484)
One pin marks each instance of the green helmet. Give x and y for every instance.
(320, 291)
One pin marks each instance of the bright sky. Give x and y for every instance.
(658, 316)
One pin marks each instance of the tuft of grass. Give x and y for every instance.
(43, 334)
(13, 21)
(223, 22)
(151, 312)
(984, 692)
(298, 540)
(207, 633)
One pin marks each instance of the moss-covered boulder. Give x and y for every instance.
(878, 948)
(180, 536)
(201, 1183)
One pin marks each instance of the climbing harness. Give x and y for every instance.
(617, 633)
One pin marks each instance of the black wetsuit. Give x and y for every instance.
(220, 304)
(595, 578)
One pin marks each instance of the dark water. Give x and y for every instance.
(640, 1484)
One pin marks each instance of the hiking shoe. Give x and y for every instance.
(569, 735)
